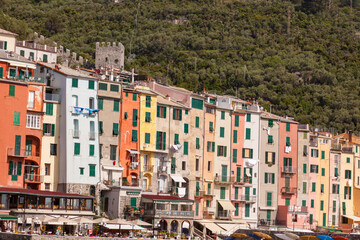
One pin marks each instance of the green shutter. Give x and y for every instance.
(197, 209)
(273, 178)
(91, 150)
(234, 155)
(311, 219)
(52, 130)
(116, 107)
(186, 148)
(349, 193)
(211, 126)
(147, 117)
(269, 199)
(101, 130)
(17, 145)
(222, 115)
(321, 205)
(45, 58)
(304, 168)
(238, 174)
(2, 74)
(133, 202)
(323, 172)
(100, 103)
(266, 178)
(49, 109)
(248, 134)
(248, 117)
(312, 203)
(164, 112)
(270, 123)
(213, 146)
(134, 135)
(251, 153)
(235, 136)
(197, 143)
(288, 141)
(222, 192)
(147, 138)
(270, 139)
(134, 97)
(5, 45)
(44, 128)
(114, 88)
(197, 122)
(10, 167)
(236, 120)
(92, 170)
(158, 141)
(158, 111)
(196, 103)
(186, 128)
(222, 132)
(180, 114)
(115, 129)
(287, 201)
(148, 101)
(103, 86)
(76, 148)
(322, 154)
(174, 113)
(304, 187)
(225, 151)
(173, 166)
(176, 138)
(236, 193)
(75, 82)
(91, 84)
(11, 88)
(164, 140)
(16, 118)
(313, 187)
(135, 114)
(247, 210)
(288, 127)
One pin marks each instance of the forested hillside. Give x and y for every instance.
(302, 57)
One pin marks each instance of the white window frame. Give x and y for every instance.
(33, 121)
(31, 99)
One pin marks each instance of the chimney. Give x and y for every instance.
(350, 136)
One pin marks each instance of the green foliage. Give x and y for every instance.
(225, 46)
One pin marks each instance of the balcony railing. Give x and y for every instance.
(223, 214)
(288, 190)
(162, 169)
(52, 97)
(347, 149)
(132, 184)
(134, 165)
(247, 198)
(148, 168)
(209, 211)
(33, 178)
(239, 180)
(288, 169)
(335, 146)
(16, 152)
(30, 153)
(174, 213)
(224, 179)
(313, 144)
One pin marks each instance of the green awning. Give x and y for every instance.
(7, 217)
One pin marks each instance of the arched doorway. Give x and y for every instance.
(185, 228)
(174, 226)
(163, 225)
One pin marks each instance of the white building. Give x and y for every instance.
(36, 52)
(79, 170)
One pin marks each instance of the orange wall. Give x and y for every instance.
(9, 130)
(125, 128)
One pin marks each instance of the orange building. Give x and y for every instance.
(129, 136)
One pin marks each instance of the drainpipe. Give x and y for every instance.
(230, 147)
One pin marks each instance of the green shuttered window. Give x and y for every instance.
(236, 120)
(147, 138)
(75, 82)
(103, 86)
(114, 88)
(235, 136)
(91, 84)
(100, 103)
(11, 90)
(235, 152)
(76, 148)
(134, 137)
(16, 118)
(91, 150)
(49, 109)
(115, 129)
(116, 106)
(186, 148)
(186, 128)
(135, 116)
(197, 122)
(148, 101)
(248, 134)
(222, 132)
(92, 170)
(196, 103)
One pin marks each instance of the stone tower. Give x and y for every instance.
(108, 55)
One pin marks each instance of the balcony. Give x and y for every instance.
(223, 215)
(30, 153)
(127, 184)
(242, 181)
(173, 213)
(209, 211)
(247, 198)
(206, 194)
(288, 190)
(313, 143)
(288, 169)
(16, 152)
(133, 165)
(162, 169)
(347, 149)
(52, 97)
(224, 180)
(33, 178)
(148, 168)
(335, 146)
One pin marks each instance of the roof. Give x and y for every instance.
(165, 197)
(3, 31)
(14, 57)
(265, 114)
(40, 192)
(65, 70)
(354, 138)
(164, 101)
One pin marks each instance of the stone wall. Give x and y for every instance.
(109, 55)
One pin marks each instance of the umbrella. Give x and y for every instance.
(264, 235)
(254, 236)
(292, 235)
(283, 236)
(239, 235)
(138, 222)
(100, 220)
(324, 237)
(309, 237)
(340, 238)
(119, 221)
(83, 220)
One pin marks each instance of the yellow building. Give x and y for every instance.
(148, 105)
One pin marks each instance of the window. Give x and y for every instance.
(210, 146)
(16, 118)
(312, 203)
(236, 209)
(183, 165)
(49, 109)
(305, 151)
(116, 106)
(31, 99)
(177, 114)
(314, 168)
(323, 172)
(101, 129)
(186, 128)
(314, 153)
(197, 143)
(209, 166)
(11, 90)
(81, 171)
(134, 97)
(115, 129)
(147, 138)
(147, 117)
(186, 148)
(222, 132)
(310, 219)
(304, 168)
(197, 164)
(347, 174)
(222, 151)
(222, 115)
(304, 187)
(321, 205)
(287, 201)
(322, 154)
(134, 137)
(173, 165)
(248, 117)
(148, 101)
(75, 101)
(197, 122)
(303, 203)
(270, 157)
(235, 153)
(269, 178)
(45, 58)
(161, 141)
(53, 149)
(113, 149)
(92, 170)
(74, 82)
(91, 84)
(269, 199)
(161, 112)
(114, 88)
(222, 192)
(135, 116)
(47, 169)
(211, 126)
(270, 139)
(247, 153)
(288, 141)
(48, 129)
(288, 127)
(248, 134)
(236, 121)
(91, 150)
(176, 138)
(270, 123)
(76, 148)
(322, 188)
(100, 103)
(347, 160)
(3, 45)
(196, 103)
(76, 132)
(347, 192)
(335, 188)
(247, 209)
(47, 186)
(92, 130)
(313, 187)
(103, 86)
(209, 110)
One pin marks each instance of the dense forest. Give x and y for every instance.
(300, 57)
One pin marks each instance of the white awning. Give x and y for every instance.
(283, 236)
(229, 227)
(177, 178)
(114, 168)
(227, 205)
(354, 218)
(132, 152)
(213, 227)
(123, 227)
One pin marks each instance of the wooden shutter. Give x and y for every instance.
(91, 150)
(273, 178)
(135, 112)
(91, 84)
(236, 120)
(10, 167)
(11, 87)
(133, 201)
(164, 140)
(52, 130)
(238, 174)
(174, 113)
(248, 133)
(158, 111)
(186, 148)
(180, 114)
(266, 177)
(225, 151)
(234, 155)
(186, 128)
(235, 136)
(17, 145)
(197, 122)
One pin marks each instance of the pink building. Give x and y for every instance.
(313, 174)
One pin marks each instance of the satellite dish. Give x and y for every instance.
(103, 77)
